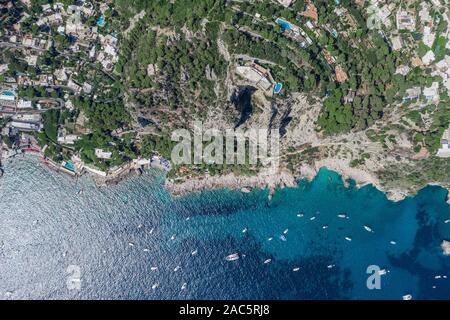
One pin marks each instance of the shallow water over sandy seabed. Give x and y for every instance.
(135, 241)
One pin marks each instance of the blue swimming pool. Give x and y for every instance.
(70, 166)
(283, 24)
(278, 87)
(101, 21)
(8, 93)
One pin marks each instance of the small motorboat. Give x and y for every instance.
(348, 238)
(232, 257)
(156, 285)
(283, 238)
(267, 261)
(393, 242)
(407, 297)
(286, 231)
(368, 229)
(184, 286)
(176, 268)
(296, 269)
(194, 252)
(154, 268)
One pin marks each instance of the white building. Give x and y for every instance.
(397, 43)
(68, 139)
(428, 58)
(444, 151)
(254, 76)
(432, 93)
(286, 3)
(100, 154)
(405, 21)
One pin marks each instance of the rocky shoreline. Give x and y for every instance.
(283, 179)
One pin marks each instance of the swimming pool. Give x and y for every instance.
(101, 21)
(278, 87)
(70, 166)
(7, 93)
(283, 24)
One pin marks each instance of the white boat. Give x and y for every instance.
(154, 268)
(270, 239)
(232, 257)
(382, 272)
(194, 252)
(176, 268)
(348, 238)
(330, 266)
(139, 226)
(342, 216)
(188, 218)
(300, 215)
(151, 230)
(172, 237)
(244, 230)
(296, 269)
(156, 285)
(393, 242)
(324, 227)
(369, 229)
(312, 218)
(286, 231)
(184, 286)
(283, 238)
(267, 261)
(407, 297)
(437, 277)
(146, 250)
(131, 244)
(447, 221)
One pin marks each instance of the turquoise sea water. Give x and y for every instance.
(116, 235)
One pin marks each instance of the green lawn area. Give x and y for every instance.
(439, 47)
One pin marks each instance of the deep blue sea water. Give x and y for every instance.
(115, 235)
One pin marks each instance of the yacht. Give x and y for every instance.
(342, 216)
(176, 268)
(296, 269)
(154, 268)
(194, 252)
(283, 238)
(407, 297)
(312, 218)
(348, 238)
(232, 257)
(244, 230)
(267, 261)
(324, 227)
(300, 215)
(369, 229)
(286, 231)
(156, 285)
(393, 242)
(184, 286)
(270, 239)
